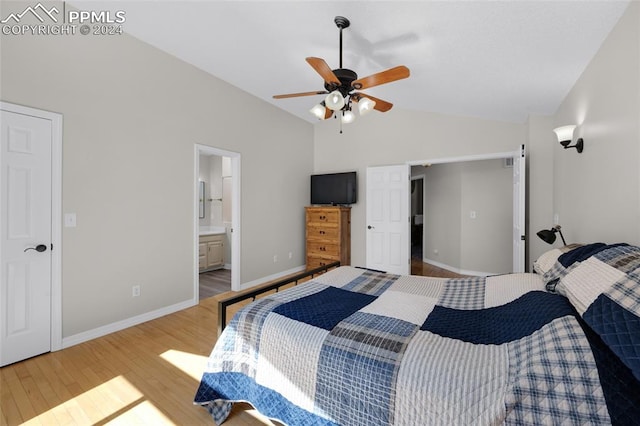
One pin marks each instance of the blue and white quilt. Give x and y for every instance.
(359, 347)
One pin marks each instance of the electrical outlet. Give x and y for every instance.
(290, 255)
(135, 291)
(275, 258)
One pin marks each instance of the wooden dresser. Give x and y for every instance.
(328, 235)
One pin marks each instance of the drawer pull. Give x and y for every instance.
(322, 232)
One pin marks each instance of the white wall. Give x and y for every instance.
(132, 115)
(597, 193)
(399, 136)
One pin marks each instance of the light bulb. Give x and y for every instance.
(334, 100)
(348, 117)
(365, 106)
(318, 111)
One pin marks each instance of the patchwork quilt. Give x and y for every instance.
(360, 347)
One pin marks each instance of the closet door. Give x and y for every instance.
(519, 238)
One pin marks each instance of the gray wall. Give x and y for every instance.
(132, 115)
(453, 239)
(399, 136)
(597, 193)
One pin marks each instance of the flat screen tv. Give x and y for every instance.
(334, 188)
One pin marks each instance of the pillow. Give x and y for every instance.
(570, 260)
(603, 284)
(547, 259)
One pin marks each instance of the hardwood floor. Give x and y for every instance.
(146, 374)
(418, 267)
(214, 282)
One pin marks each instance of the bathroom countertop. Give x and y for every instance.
(212, 230)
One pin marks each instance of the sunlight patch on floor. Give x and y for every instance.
(144, 413)
(188, 363)
(99, 404)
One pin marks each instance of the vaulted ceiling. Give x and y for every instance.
(499, 60)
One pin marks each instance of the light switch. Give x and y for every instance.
(69, 220)
(472, 214)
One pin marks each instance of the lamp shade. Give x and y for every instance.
(365, 105)
(348, 117)
(318, 111)
(547, 235)
(565, 133)
(334, 100)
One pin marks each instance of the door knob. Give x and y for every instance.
(39, 248)
(370, 227)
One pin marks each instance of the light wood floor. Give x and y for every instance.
(427, 270)
(147, 374)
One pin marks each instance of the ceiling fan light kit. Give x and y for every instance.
(318, 111)
(340, 85)
(334, 101)
(365, 106)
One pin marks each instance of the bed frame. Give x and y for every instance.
(223, 304)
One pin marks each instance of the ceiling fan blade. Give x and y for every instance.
(382, 106)
(295, 95)
(392, 74)
(323, 69)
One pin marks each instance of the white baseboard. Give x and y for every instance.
(272, 277)
(121, 325)
(457, 270)
(139, 319)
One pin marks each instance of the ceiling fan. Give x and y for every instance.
(341, 84)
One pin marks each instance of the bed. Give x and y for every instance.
(361, 347)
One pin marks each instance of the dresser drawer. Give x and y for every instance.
(322, 232)
(320, 249)
(320, 216)
(316, 262)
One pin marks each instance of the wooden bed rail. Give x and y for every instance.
(252, 293)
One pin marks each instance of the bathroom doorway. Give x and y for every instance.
(217, 221)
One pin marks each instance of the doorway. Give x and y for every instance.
(31, 182)
(216, 221)
(417, 216)
(513, 227)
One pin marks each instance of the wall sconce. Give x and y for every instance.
(549, 235)
(565, 136)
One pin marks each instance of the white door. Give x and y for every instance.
(25, 220)
(519, 188)
(388, 219)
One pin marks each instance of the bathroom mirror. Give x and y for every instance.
(201, 204)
